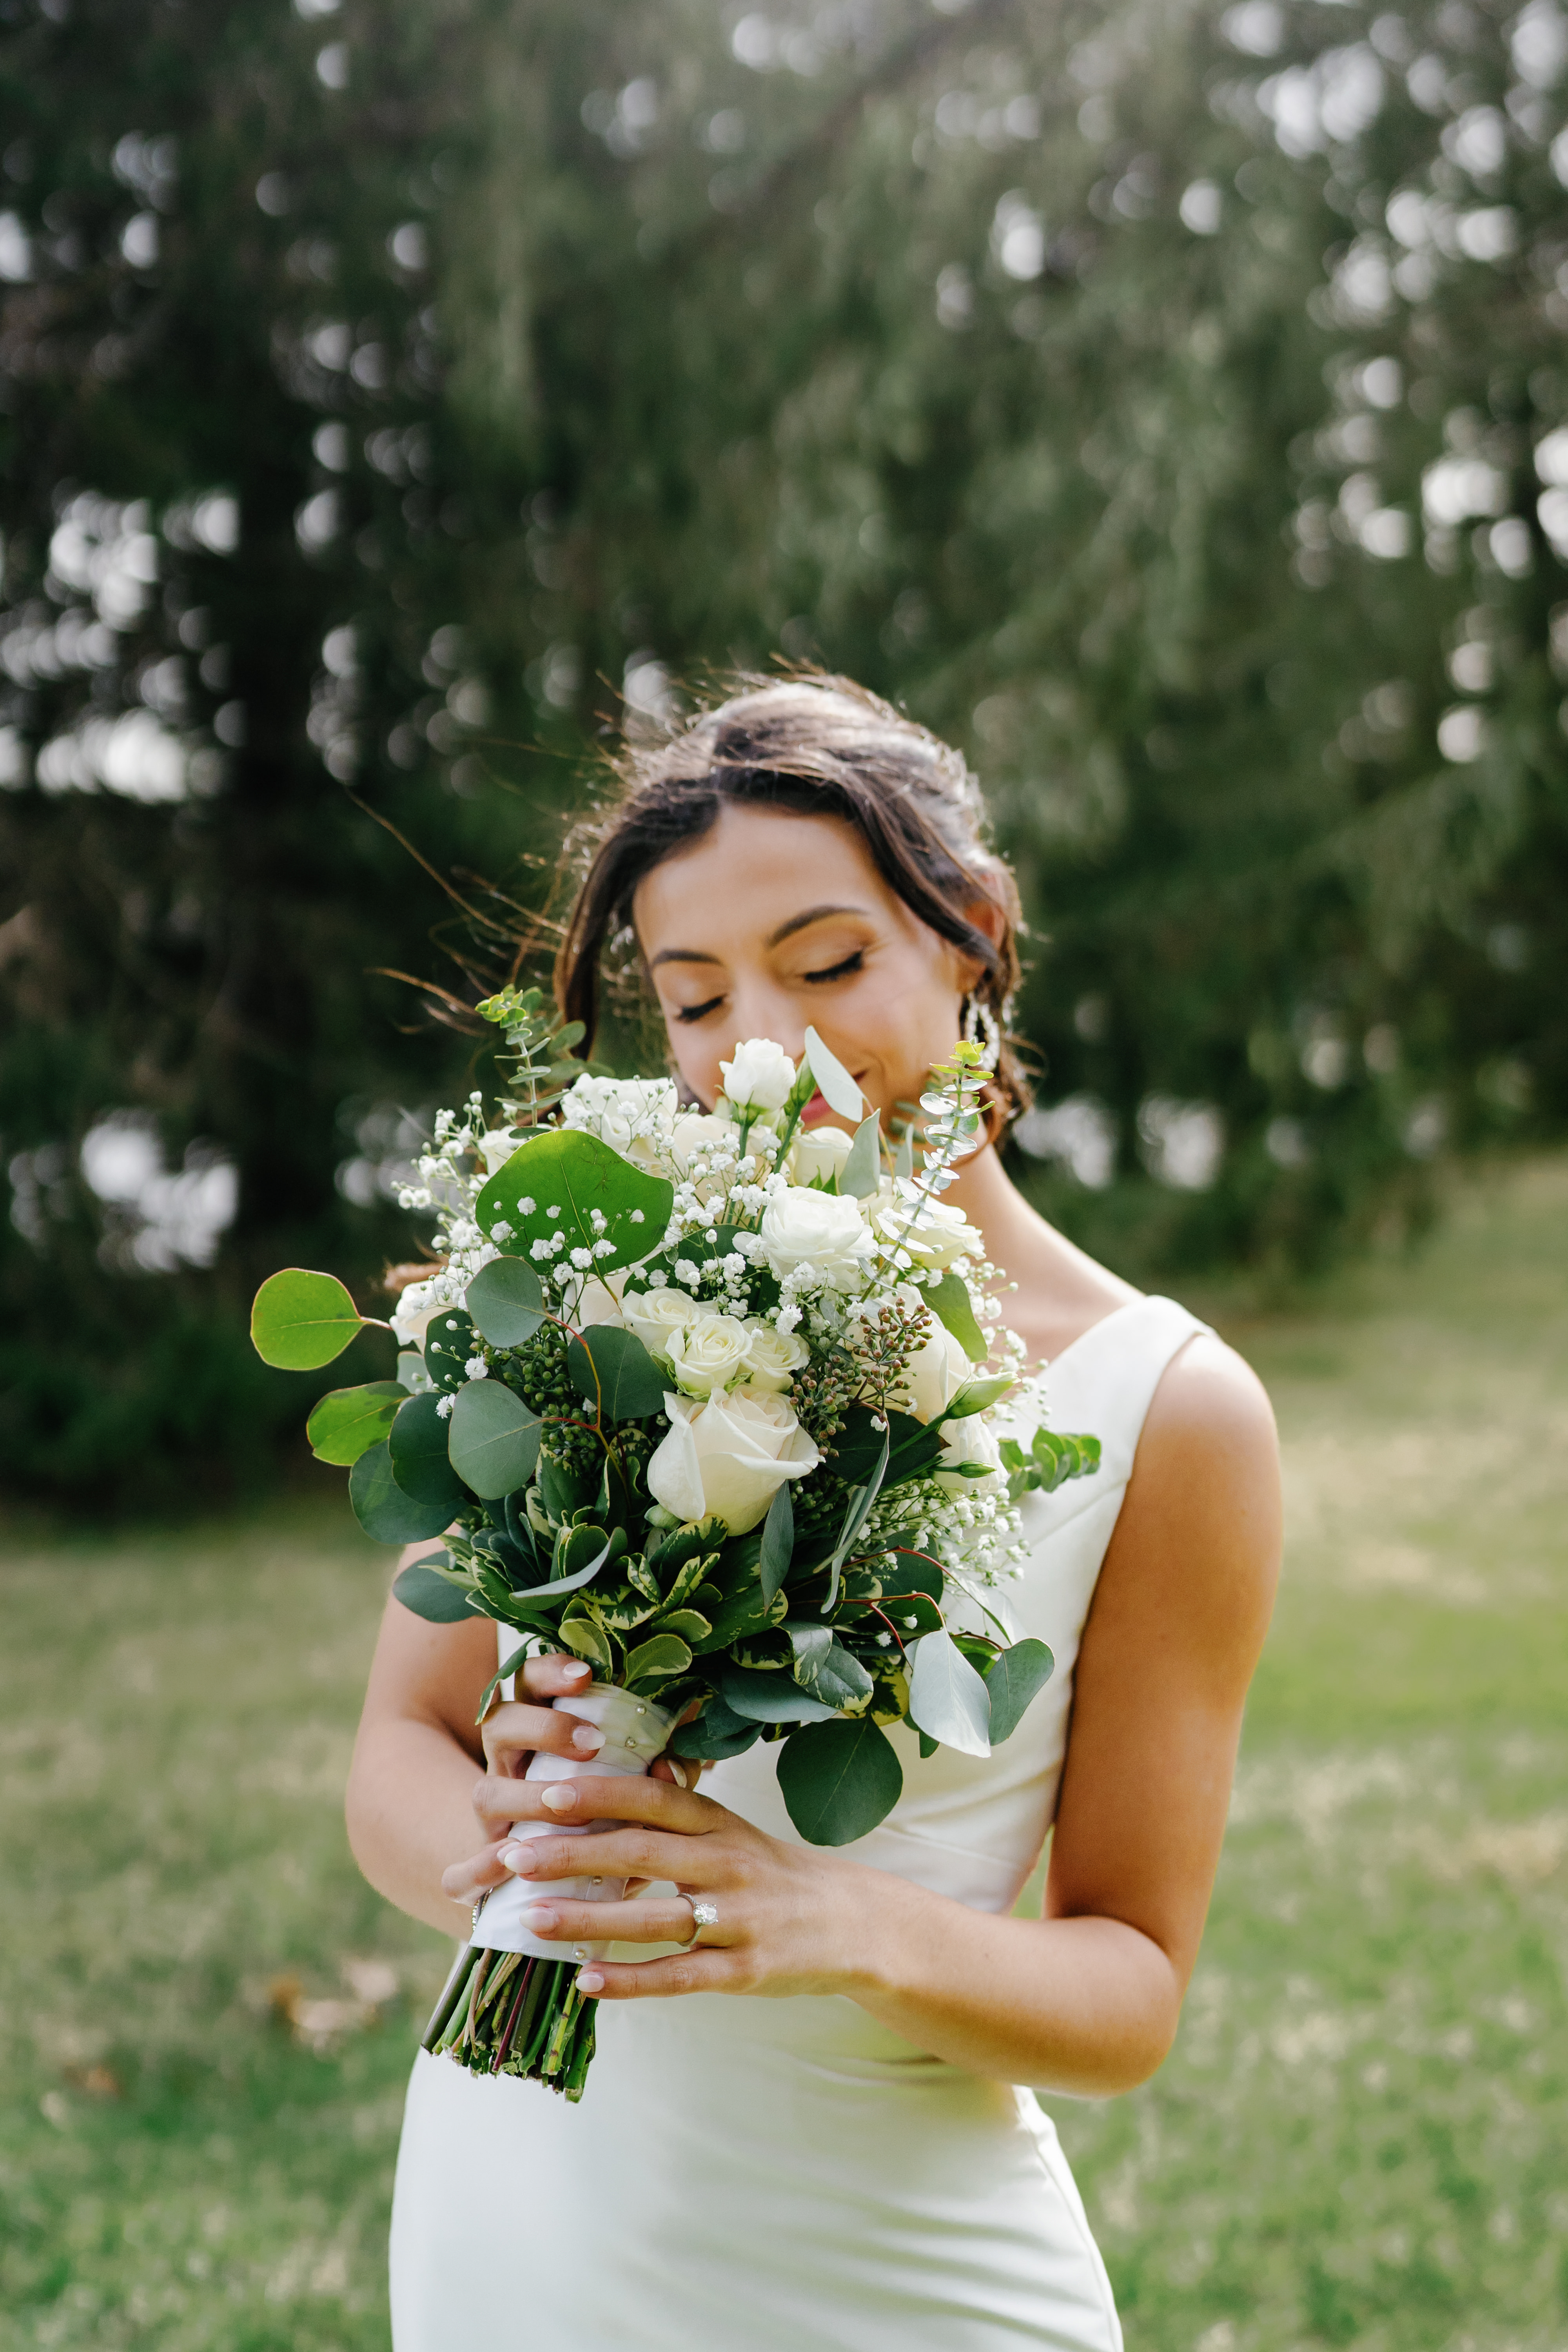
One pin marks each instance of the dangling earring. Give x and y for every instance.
(981, 1028)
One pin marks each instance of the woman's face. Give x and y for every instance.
(771, 922)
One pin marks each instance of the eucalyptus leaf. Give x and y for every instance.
(449, 1342)
(492, 1439)
(301, 1320)
(770, 1698)
(506, 1301)
(433, 1598)
(951, 1303)
(615, 1371)
(778, 1541)
(840, 1779)
(1016, 1677)
(411, 1372)
(834, 1083)
(862, 1171)
(716, 1732)
(563, 1170)
(346, 1422)
(385, 1513)
(948, 1700)
(417, 1443)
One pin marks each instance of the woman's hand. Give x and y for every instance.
(513, 1732)
(792, 1919)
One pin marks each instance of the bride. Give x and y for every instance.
(801, 2127)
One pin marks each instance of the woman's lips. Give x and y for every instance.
(816, 1110)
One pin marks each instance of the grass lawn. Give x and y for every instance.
(1363, 2135)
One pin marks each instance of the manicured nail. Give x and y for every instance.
(574, 1670)
(589, 1741)
(590, 1980)
(518, 1859)
(538, 1919)
(560, 1796)
(677, 1772)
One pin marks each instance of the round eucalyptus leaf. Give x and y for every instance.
(840, 1779)
(386, 1514)
(301, 1320)
(492, 1439)
(346, 1422)
(417, 1441)
(506, 1302)
(449, 1345)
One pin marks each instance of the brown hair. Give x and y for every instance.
(822, 746)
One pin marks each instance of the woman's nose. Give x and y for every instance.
(760, 1010)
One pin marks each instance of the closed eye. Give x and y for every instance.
(851, 963)
(699, 1011)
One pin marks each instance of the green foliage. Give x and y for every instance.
(1016, 1677)
(505, 1302)
(840, 1779)
(614, 1371)
(429, 1595)
(493, 1439)
(948, 1699)
(299, 1321)
(568, 1190)
(387, 1513)
(416, 1445)
(949, 1302)
(348, 1420)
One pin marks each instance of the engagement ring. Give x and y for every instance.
(703, 1914)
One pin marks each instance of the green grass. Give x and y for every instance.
(1360, 2138)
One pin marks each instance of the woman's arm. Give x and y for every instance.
(1085, 2000)
(410, 1801)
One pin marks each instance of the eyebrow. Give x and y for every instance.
(774, 939)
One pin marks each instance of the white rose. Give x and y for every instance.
(414, 1312)
(497, 1148)
(819, 1229)
(707, 1353)
(936, 1237)
(595, 1302)
(760, 1076)
(656, 1315)
(818, 1152)
(728, 1456)
(775, 1356)
(970, 1440)
(934, 1374)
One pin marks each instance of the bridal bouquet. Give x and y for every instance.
(706, 1399)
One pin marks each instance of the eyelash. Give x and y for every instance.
(851, 963)
(839, 970)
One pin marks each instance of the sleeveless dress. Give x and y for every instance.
(754, 2175)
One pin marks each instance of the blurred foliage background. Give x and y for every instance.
(1165, 402)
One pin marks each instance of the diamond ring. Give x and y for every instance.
(703, 1914)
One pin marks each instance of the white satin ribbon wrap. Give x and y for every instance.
(636, 1731)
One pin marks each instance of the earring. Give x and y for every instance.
(979, 1027)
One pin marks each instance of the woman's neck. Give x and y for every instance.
(1060, 1290)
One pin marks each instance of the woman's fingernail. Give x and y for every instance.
(574, 1670)
(590, 1980)
(538, 1919)
(677, 1772)
(518, 1859)
(589, 1741)
(560, 1798)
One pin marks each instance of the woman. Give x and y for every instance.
(801, 2127)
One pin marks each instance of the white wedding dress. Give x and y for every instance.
(747, 2175)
